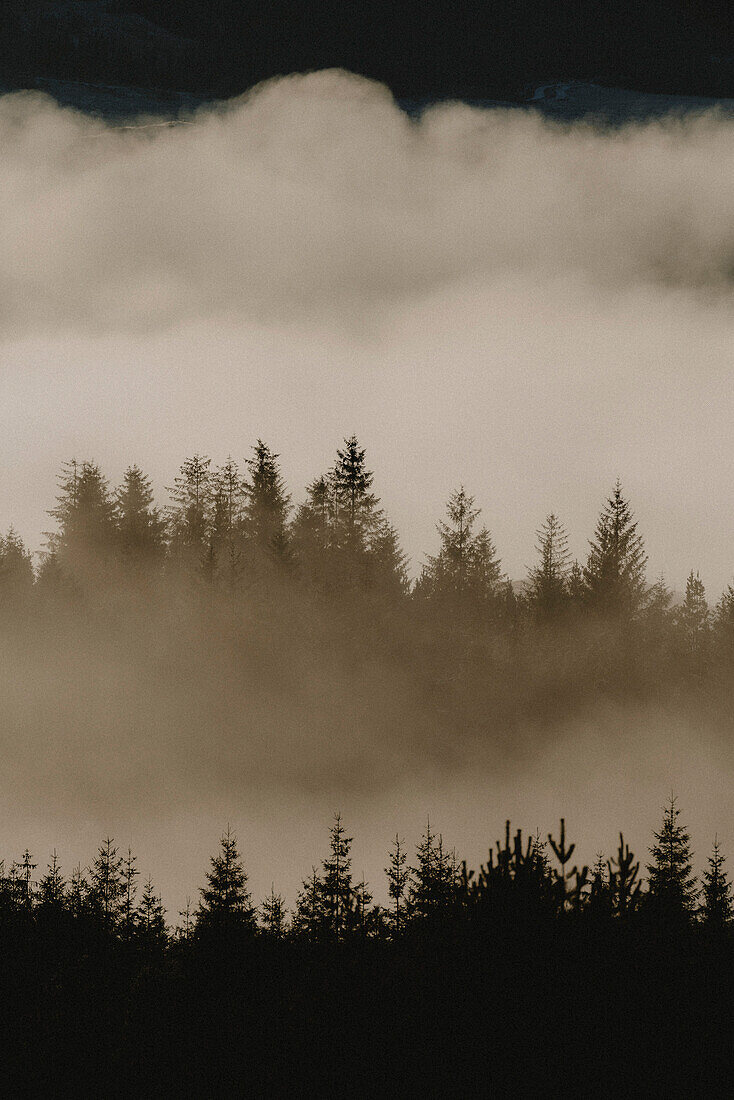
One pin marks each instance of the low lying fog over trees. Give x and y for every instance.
(232, 557)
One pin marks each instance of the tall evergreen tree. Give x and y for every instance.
(16, 572)
(398, 878)
(614, 576)
(547, 584)
(225, 904)
(693, 620)
(309, 917)
(226, 535)
(357, 511)
(716, 889)
(434, 878)
(128, 911)
(311, 533)
(671, 885)
(107, 884)
(273, 915)
(150, 918)
(267, 508)
(466, 572)
(52, 888)
(140, 527)
(336, 883)
(188, 515)
(85, 541)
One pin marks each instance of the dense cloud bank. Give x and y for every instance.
(315, 196)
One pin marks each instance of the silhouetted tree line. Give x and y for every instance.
(222, 47)
(549, 963)
(233, 557)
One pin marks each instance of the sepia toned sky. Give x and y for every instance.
(484, 298)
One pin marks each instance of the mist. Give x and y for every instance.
(528, 308)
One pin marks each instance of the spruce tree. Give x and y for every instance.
(336, 883)
(671, 885)
(140, 526)
(614, 576)
(465, 575)
(273, 915)
(52, 888)
(128, 912)
(225, 534)
(434, 878)
(547, 584)
(398, 878)
(266, 510)
(150, 918)
(85, 542)
(723, 627)
(716, 910)
(309, 918)
(693, 621)
(107, 884)
(225, 904)
(188, 515)
(16, 572)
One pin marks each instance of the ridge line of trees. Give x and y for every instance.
(523, 879)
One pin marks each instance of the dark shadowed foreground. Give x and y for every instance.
(471, 983)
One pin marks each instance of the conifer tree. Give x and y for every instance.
(266, 509)
(716, 909)
(273, 915)
(624, 887)
(336, 883)
(225, 900)
(309, 917)
(225, 534)
(311, 534)
(128, 912)
(85, 541)
(52, 888)
(723, 627)
(693, 620)
(107, 884)
(547, 584)
(188, 515)
(434, 878)
(150, 917)
(357, 509)
(398, 878)
(79, 892)
(140, 526)
(614, 576)
(387, 572)
(26, 883)
(16, 572)
(465, 573)
(671, 885)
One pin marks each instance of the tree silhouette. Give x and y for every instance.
(716, 909)
(140, 527)
(225, 904)
(547, 584)
(465, 574)
(614, 576)
(672, 887)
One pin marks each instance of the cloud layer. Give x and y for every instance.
(315, 197)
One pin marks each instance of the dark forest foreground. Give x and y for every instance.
(525, 978)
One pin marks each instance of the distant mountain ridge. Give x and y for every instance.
(507, 51)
